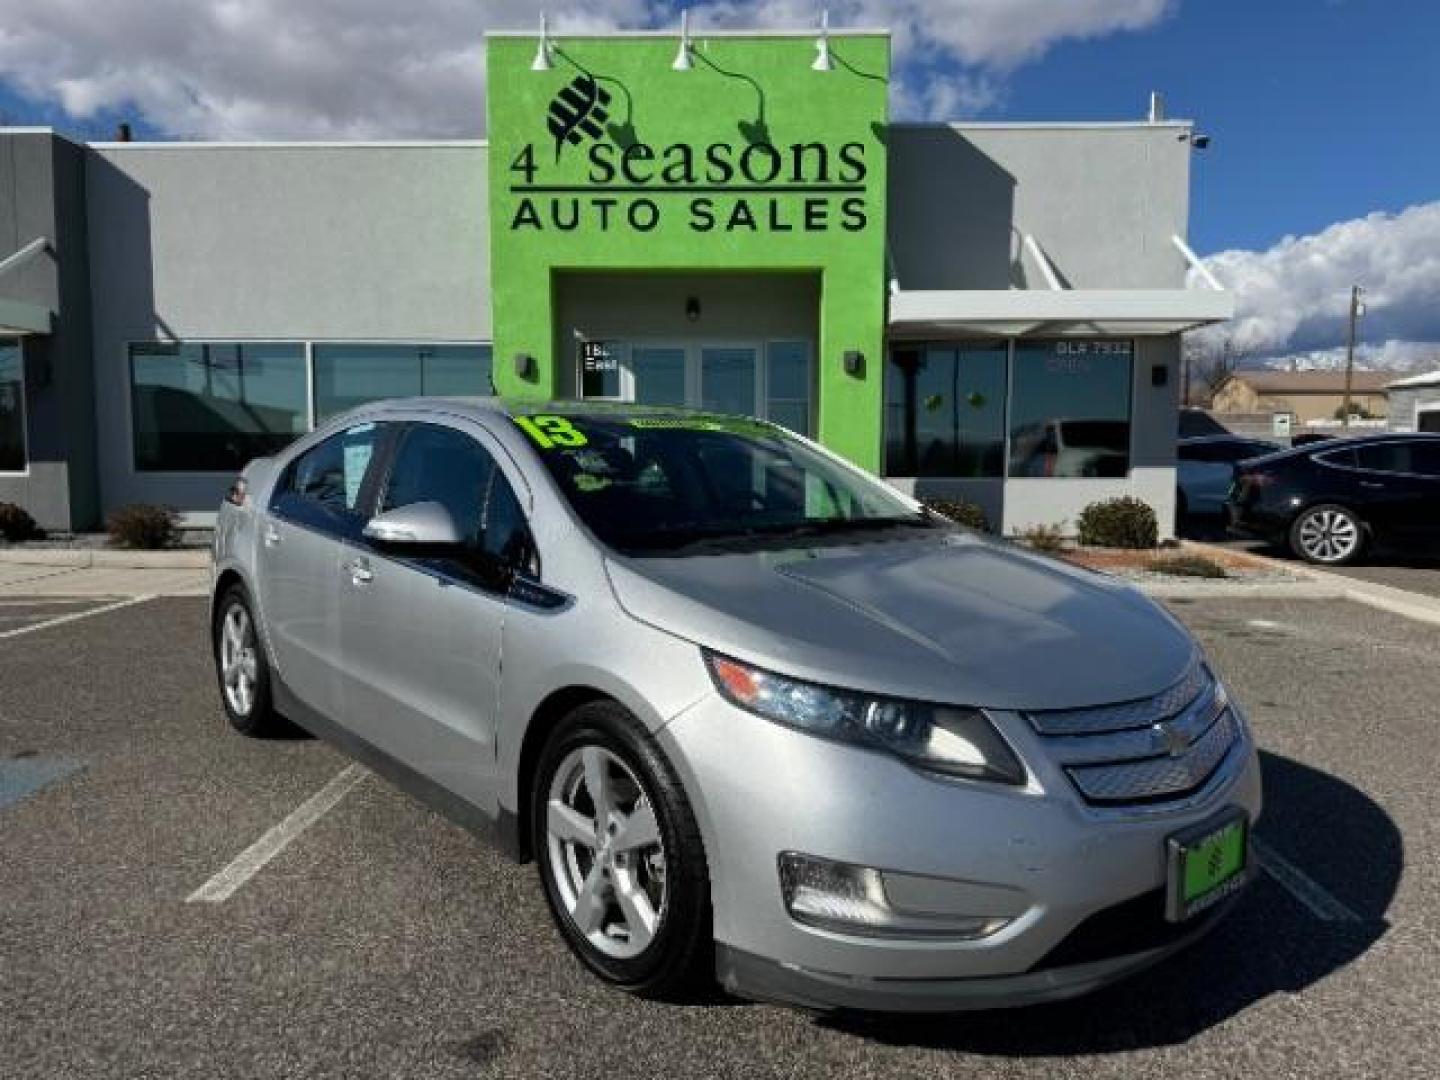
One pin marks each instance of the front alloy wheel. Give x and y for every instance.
(605, 851)
(620, 855)
(1330, 535)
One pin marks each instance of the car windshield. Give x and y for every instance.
(670, 483)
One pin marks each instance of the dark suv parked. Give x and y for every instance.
(1330, 501)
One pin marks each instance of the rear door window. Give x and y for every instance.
(326, 487)
(1426, 458)
(1390, 457)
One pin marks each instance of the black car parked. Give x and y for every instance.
(1330, 501)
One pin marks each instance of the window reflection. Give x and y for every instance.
(1070, 413)
(945, 410)
(211, 408)
(12, 407)
(347, 376)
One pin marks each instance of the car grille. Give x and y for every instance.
(1153, 750)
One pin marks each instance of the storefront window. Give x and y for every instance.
(12, 407)
(945, 410)
(787, 385)
(350, 375)
(211, 408)
(1070, 410)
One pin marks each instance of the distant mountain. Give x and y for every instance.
(1401, 357)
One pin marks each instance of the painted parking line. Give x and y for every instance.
(61, 620)
(1321, 902)
(253, 859)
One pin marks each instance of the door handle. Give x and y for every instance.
(1371, 484)
(272, 534)
(360, 572)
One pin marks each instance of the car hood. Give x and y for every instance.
(956, 618)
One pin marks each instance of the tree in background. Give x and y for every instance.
(1206, 365)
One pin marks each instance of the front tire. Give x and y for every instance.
(1328, 535)
(241, 668)
(620, 856)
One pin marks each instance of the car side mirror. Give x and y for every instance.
(419, 525)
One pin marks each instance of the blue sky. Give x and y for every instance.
(1319, 110)
(1323, 170)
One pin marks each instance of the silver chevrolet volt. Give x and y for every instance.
(757, 717)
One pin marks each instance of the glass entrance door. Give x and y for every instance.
(659, 375)
(728, 377)
(772, 380)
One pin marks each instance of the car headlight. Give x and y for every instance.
(949, 739)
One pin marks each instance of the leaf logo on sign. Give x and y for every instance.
(576, 111)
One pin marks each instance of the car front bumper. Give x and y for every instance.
(1083, 887)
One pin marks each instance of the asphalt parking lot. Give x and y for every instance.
(384, 941)
(1417, 572)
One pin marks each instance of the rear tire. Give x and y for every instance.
(241, 669)
(1328, 535)
(624, 871)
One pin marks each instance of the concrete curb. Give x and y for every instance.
(107, 559)
(1411, 605)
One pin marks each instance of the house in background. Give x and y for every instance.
(1414, 402)
(1306, 395)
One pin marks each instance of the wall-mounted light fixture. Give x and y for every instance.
(682, 58)
(525, 366)
(692, 309)
(854, 362)
(544, 58)
(823, 60)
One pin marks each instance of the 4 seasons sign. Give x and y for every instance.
(745, 169)
(747, 186)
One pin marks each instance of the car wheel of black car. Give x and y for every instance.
(620, 855)
(1328, 534)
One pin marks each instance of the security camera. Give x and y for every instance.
(1200, 142)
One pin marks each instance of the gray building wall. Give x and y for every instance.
(42, 194)
(348, 242)
(1102, 200)
(1407, 403)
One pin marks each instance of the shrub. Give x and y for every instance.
(1119, 523)
(1047, 538)
(961, 511)
(1197, 566)
(16, 526)
(145, 526)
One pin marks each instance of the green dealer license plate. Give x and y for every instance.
(1207, 864)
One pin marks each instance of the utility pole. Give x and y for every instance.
(1356, 310)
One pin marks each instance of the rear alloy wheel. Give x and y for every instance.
(1329, 535)
(620, 855)
(243, 672)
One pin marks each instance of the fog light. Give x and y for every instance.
(851, 899)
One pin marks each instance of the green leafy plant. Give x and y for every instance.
(1196, 566)
(1047, 538)
(1119, 523)
(144, 526)
(16, 524)
(961, 511)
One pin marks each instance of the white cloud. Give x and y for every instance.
(1294, 297)
(351, 68)
(1374, 356)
